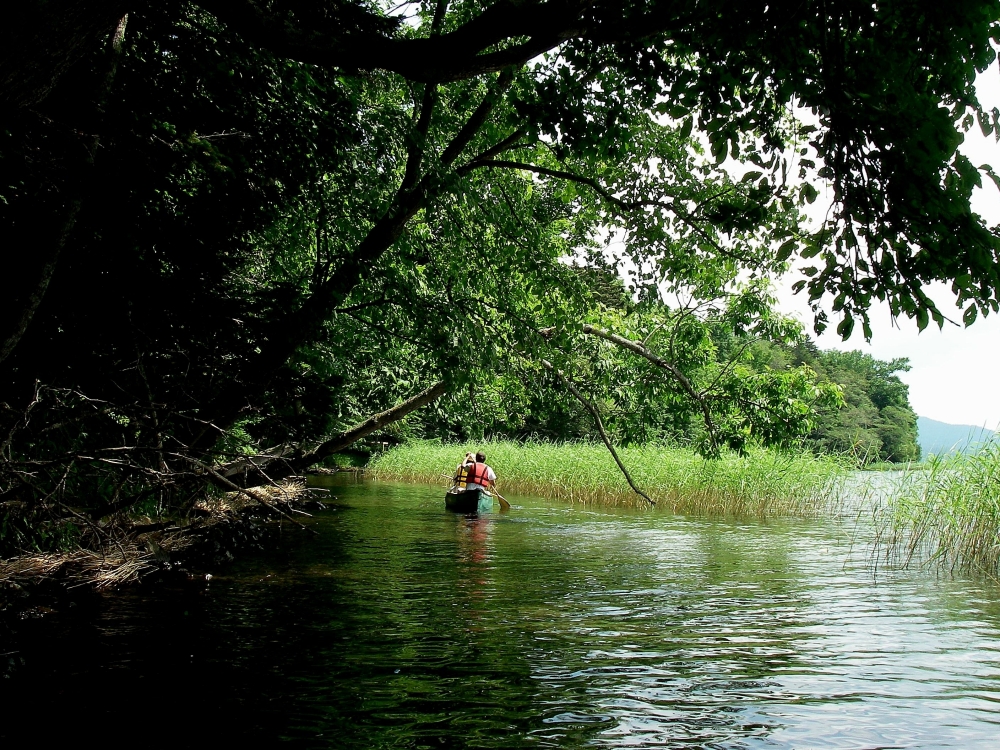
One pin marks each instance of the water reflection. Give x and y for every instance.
(406, 626)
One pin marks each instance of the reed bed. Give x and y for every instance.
(764, 483)
(949, 514)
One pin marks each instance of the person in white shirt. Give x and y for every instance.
(480, 476)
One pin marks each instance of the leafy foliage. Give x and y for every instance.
(250, 234)
(876, 422)
(702, 383)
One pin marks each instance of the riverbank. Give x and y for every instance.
(764, 483)
(133, 549)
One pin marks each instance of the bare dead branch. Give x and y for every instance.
(255, 497)
(599, 423)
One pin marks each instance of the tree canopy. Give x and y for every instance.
(243, 224)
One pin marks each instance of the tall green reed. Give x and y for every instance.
(949, 513)
(764, 483)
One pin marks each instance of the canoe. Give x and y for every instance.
(468, 501)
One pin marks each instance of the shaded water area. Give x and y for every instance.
(404, 626)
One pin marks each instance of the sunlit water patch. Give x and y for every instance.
(403, 626)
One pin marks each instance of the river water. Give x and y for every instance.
(404, 626)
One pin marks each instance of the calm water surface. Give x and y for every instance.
(404, 626)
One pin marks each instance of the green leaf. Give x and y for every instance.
(786, 250)
(922, 318)
(846, 327)
(811, 250)
(720, 150)
(991, 174)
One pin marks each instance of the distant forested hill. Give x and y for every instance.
(876, 422)
(941, 437)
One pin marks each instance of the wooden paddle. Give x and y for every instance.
(503, 501)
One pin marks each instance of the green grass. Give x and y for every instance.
(949, 513)
(343, 460)
(886, 466)
(765, 483)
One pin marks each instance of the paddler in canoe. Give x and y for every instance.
(480, 475)
(475, 486)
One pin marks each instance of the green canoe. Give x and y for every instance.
(468, 501)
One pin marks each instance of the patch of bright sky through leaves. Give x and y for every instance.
(955, 371)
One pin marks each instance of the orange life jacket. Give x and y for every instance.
(479, 474)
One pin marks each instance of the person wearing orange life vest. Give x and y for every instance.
(481, 476)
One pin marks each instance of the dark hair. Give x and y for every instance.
(481, 457)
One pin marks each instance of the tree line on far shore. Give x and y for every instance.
(844, 403)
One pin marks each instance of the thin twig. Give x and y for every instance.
(600, 428)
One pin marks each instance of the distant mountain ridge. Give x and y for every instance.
(940, 437)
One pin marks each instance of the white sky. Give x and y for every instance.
(954, 370)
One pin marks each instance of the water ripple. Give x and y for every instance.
(403, 626)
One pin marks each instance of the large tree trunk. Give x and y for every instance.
(39, 41)
(302, 326)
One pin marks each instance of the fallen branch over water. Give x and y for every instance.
(284, 461)
(256, 496)
(126, 551)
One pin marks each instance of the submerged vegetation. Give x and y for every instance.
(763, 483)
(948, 514)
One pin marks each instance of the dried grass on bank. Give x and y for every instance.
(123, 556)
(121, 562)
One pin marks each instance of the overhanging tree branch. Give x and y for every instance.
(622, 205)
(637, 347)
(522, 30)
(276, 464)
(599, 423)
(370, 425)
(42, 40)
(302, 325)
(510, 142)
(423, 122)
